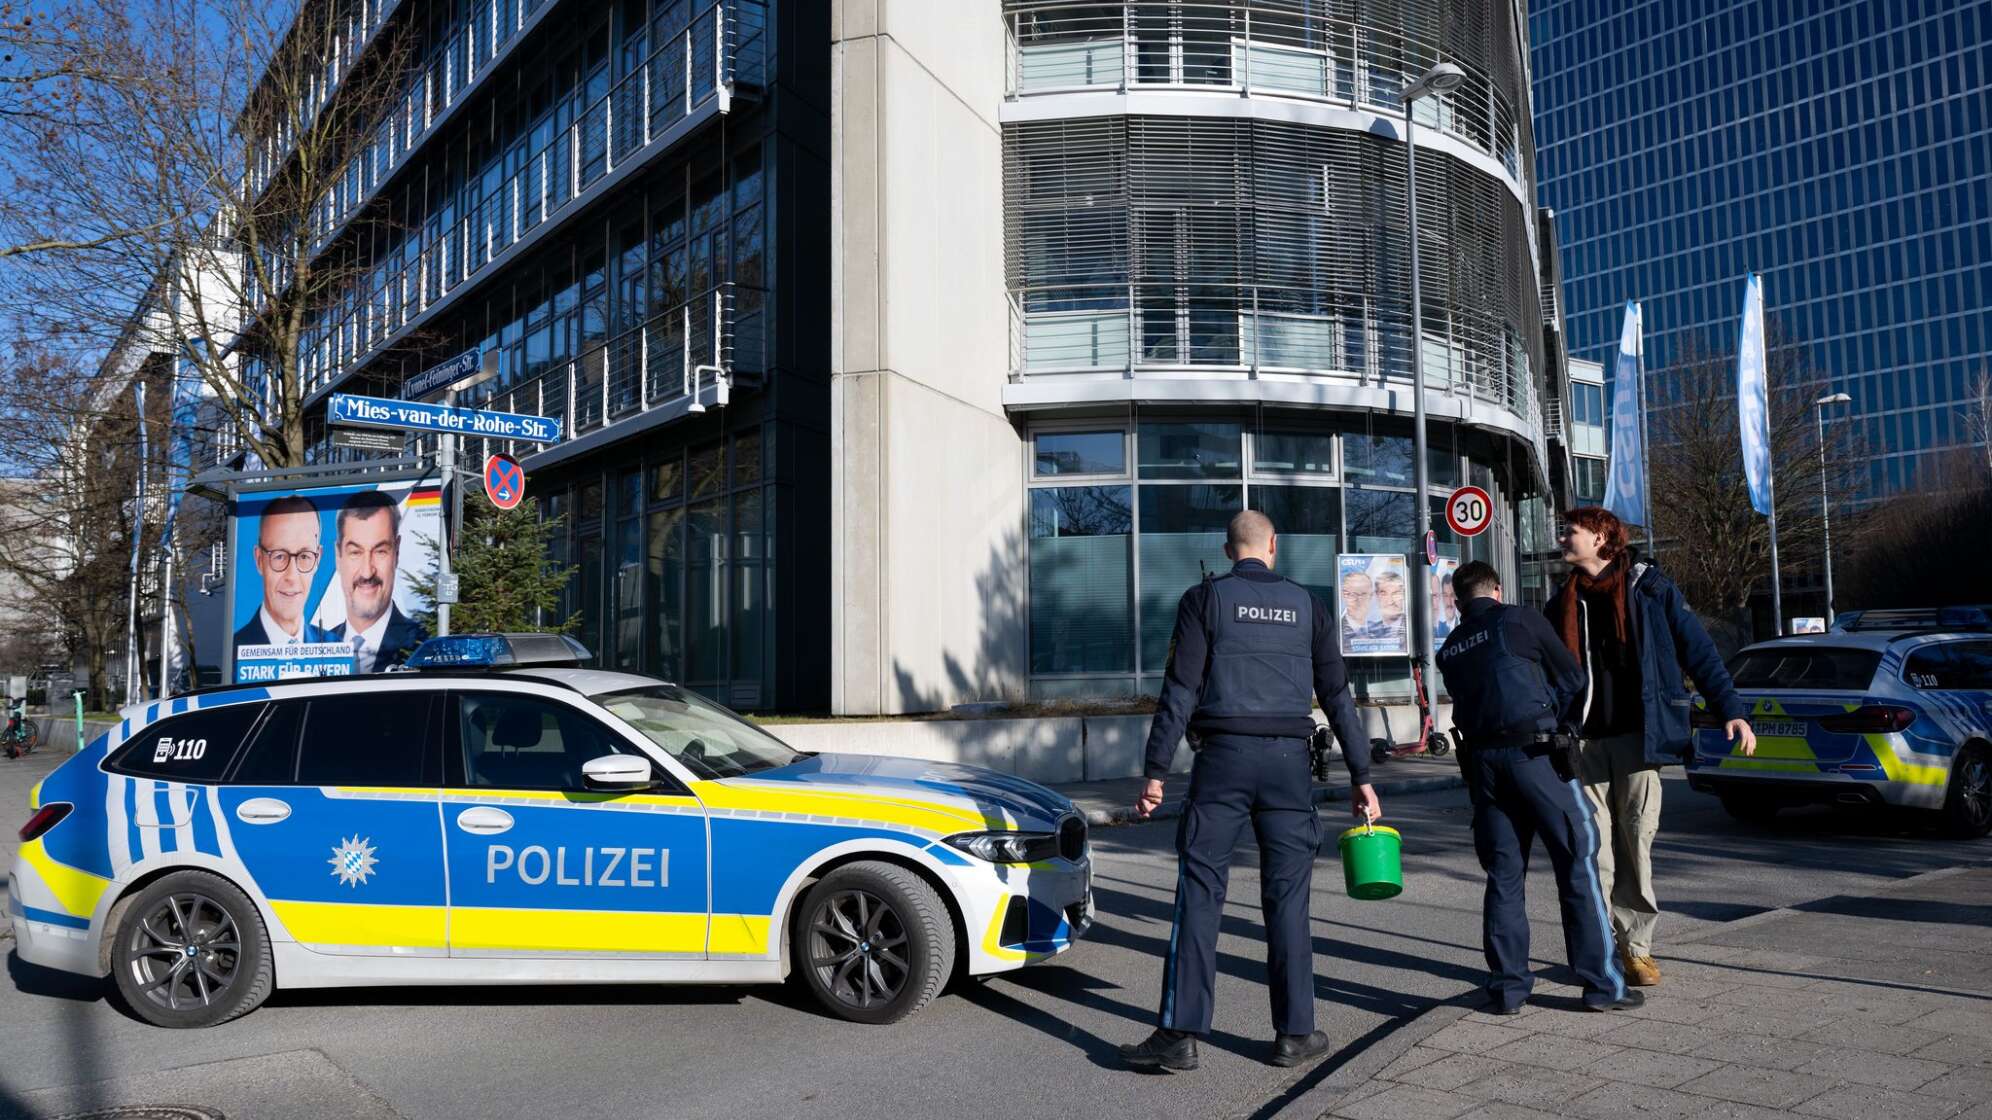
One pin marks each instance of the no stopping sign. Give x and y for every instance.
(1469, 511)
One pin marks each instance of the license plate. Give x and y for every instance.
(1780, 728)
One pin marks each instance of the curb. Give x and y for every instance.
(1168, 810)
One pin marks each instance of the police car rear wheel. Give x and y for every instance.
(874, 942)
(191, 951)
(1967, 811)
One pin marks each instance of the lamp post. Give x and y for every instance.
(1442, 78)
(1825, 504)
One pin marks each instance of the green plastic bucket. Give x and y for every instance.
(1371, 863)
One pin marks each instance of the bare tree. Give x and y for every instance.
(1716, 546)
(216, 169)
(1977, 417)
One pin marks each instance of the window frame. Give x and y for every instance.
(430, 776)
(119, 762)
(456, 774)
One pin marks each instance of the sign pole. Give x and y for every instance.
(453, 487)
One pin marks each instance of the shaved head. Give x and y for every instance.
(1249, 531)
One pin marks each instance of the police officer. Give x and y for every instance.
(1247, 647)
(1516, 690)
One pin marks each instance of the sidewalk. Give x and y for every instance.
(1845, 1008)
(1112, 802)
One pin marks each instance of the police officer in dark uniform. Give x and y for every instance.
(1248, 646)
(1516, 692)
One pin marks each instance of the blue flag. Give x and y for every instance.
(1752, 398)
(1625, 487)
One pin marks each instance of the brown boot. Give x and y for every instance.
(1640, 972)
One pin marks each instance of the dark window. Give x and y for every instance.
(1951, 665)
(377, 739)
(195, 747)
(1806, 667)
(514, 741)
(271, 759)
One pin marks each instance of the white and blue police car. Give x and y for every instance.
(1891, 708)
(502, 816)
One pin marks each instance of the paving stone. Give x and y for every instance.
(1736, 1110)
(1651, 1034)
(1886, 1071)
(1971, 1084)
(1678, 1011)
(1454, 1070)
(1761, 1051)
(1771, 1088)
(1651, 1068)
(1957, 1050)
(1857, 1032)
(1864, 1102)
(1474, 1036)
(1407, 1102)
(1418, 1056)
(1762, 1022)
(1576, 1024)
(1956, 1020)
(1533, 1086)
(1618, 1101)
(1553, 1051)
(1502, 1110)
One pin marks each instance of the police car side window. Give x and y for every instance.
(376, 739)
(514, 740)
(195, 747)
(1971, 665)
(271, 759)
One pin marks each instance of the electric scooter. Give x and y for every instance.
(1430, 740)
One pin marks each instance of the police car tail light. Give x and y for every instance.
(1871, 719)
(1007, 847)
(45, 818)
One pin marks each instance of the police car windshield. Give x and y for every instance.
(711, 741)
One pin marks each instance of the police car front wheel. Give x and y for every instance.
(191, 951)
(873, 941)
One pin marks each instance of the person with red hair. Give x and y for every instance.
(1631, 629)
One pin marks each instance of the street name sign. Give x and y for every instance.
(414, 416)
(367, 439)
(504, 481)
(464, 365)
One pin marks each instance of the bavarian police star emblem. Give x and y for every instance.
(353, 861)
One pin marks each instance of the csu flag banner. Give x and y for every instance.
(1753, 398)
(1625, 487)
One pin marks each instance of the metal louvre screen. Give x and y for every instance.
(1172, 241)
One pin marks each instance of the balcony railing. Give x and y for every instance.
(1139, 330)
(668, 358)
(724, 46)
(1258, 50)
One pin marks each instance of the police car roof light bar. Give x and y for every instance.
(1921, 618)
(499, 651)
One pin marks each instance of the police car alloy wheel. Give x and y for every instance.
(1967, 811)
(873, 942)
(191, 951)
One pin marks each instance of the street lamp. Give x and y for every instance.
(1825, 505)
(1442, 78)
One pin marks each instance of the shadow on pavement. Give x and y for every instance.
(52, 983)
(524, 995)
(1064, 983)
(1902, 910)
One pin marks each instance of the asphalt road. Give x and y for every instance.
(1035, 1043)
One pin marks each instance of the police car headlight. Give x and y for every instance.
(1007, 847)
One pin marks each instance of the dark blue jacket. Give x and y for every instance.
(1669, 639)
(1509, 675)
(1189, 661)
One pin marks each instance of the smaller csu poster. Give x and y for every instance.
(1373, 604)
(321, 578)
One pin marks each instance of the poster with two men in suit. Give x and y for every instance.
(321, 578)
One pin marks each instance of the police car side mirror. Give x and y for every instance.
(617, 771)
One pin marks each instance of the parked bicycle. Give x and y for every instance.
(22, 734)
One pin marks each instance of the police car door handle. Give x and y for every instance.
(483, 820)
(262, 810)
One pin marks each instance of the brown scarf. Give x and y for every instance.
(1611, 582)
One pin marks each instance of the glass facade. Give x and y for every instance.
(1111, 551)
(1841, 148)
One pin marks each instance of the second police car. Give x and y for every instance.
(541, 824)
(1893, 708)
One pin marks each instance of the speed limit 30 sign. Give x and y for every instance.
(1469, 511)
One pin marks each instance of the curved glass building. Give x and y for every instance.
(1207, 270)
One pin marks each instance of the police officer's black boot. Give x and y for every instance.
(1165, 1049)
(1293, 1049)
(1633, 997)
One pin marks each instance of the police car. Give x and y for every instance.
(502, 816)
(1890, 708)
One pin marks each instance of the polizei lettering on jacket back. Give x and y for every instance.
(1252, 612)
(584, 867)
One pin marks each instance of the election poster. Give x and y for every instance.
(1445, 600)
(1373, 604)
(320, 583)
